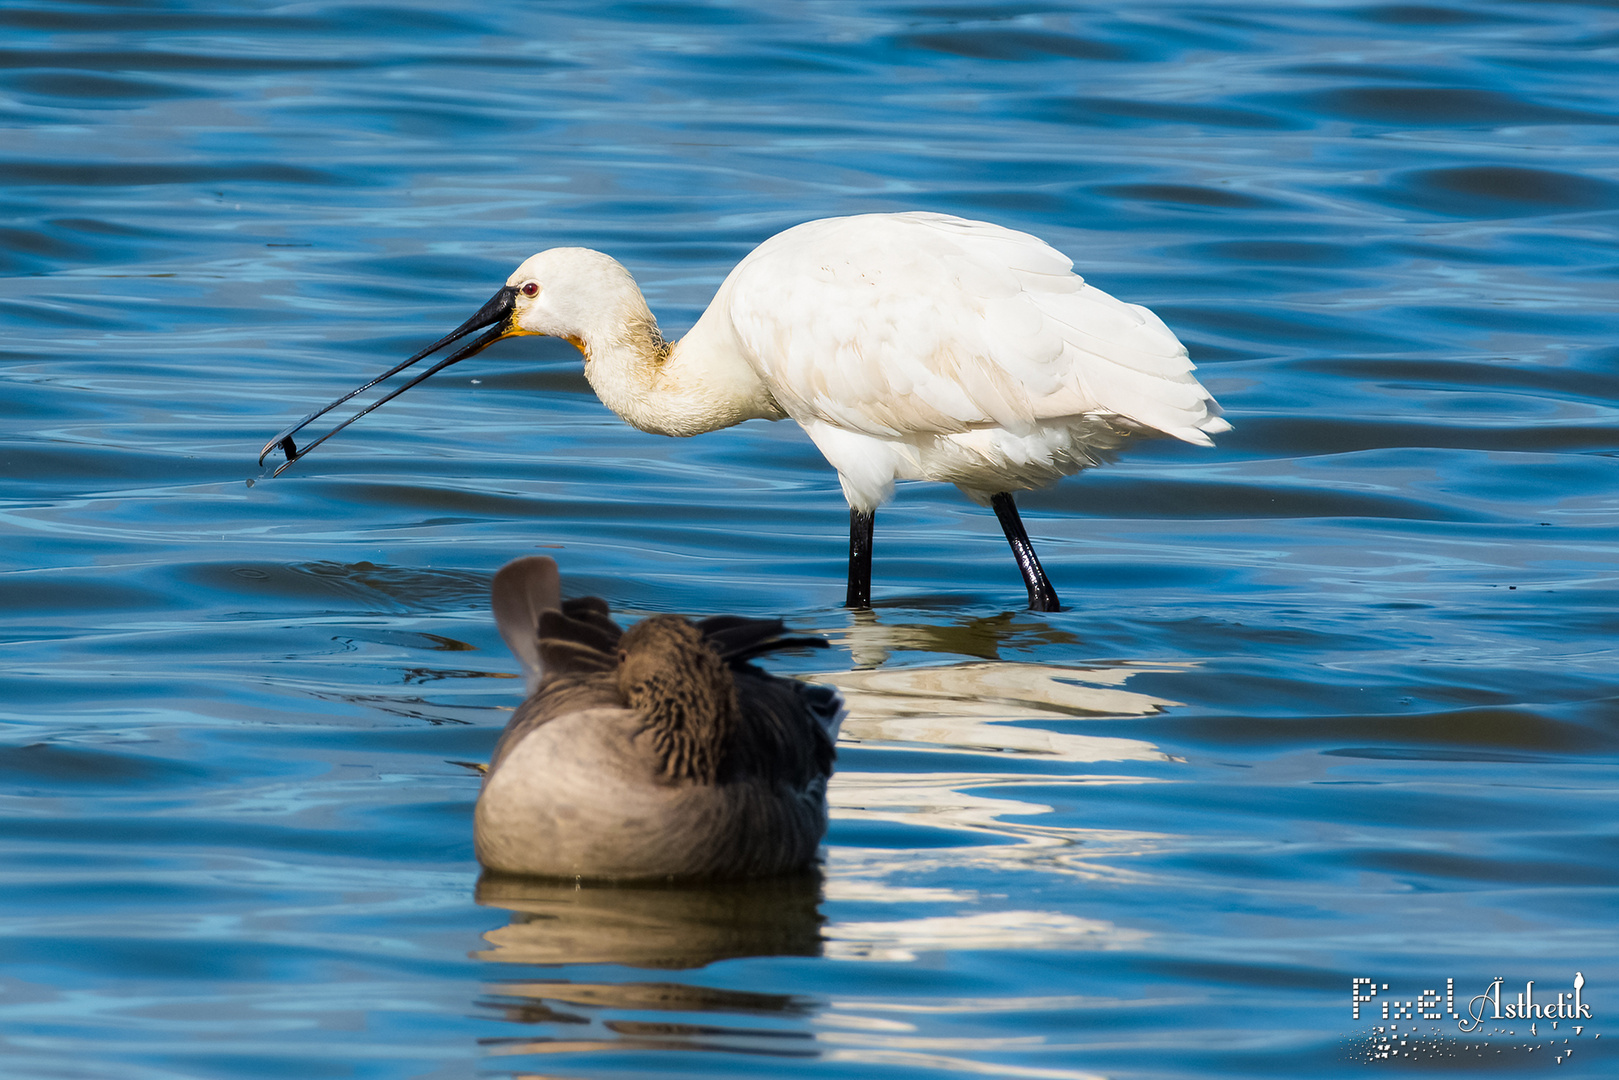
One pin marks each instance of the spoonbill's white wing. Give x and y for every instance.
(904, 325)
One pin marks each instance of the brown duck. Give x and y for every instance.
(656, 752)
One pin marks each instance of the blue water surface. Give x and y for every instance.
(1337, 699)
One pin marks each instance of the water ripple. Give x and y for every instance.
(1332, 700)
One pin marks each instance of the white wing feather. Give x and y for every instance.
(906, 325)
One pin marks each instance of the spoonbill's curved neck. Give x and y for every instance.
(703, 382)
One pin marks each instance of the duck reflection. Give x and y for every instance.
(578, 1006)
(675, 926)
(642, 1035)
(670, 926)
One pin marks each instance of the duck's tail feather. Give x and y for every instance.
(523, 591)
(545, 632)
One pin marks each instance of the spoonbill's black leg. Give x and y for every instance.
(860, 529)
(1042, 597)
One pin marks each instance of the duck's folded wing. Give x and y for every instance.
(826, 706)
(739, 639)
(787, 728)
(786, 731)
(578, 639)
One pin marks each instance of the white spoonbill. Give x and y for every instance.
(913, 346)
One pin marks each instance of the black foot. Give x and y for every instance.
(1042, 597)
(860, 530)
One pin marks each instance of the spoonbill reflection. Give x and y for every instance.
(912, 346)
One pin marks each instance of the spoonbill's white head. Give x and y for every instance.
(574, 293)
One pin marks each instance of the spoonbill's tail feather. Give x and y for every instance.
(497, 313)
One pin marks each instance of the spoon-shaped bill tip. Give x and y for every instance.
(496, 314)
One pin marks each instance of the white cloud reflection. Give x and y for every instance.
(913, 1059)
(970, 707)
(903, 939)
(993, 709)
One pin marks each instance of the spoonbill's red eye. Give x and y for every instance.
(530, 289)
